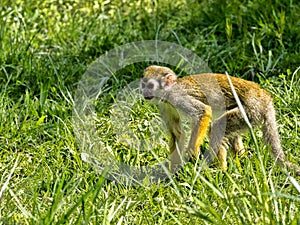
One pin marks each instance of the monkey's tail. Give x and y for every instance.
(272, 138)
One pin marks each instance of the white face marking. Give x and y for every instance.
(152, 84)
(149, 87)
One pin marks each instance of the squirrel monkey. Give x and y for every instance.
(190, 95)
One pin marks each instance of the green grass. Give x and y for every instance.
(46, 46)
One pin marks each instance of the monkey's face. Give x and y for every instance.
(156, 80)
(150, 87)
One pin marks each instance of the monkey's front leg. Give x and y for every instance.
(200, 115)
(176, 146)
(177, 135)
(199, 129)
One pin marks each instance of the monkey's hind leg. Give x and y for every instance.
(227, 127)
(222, 156)
(237, 145)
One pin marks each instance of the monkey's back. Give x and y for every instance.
(214, 89)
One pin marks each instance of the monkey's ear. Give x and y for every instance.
(170, 78)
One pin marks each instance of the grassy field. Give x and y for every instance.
(46, 47)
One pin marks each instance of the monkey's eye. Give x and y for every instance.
(165, 74)
(150, 85)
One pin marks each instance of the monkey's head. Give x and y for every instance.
(156, 80)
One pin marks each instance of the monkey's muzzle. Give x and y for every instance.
(148, 97)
